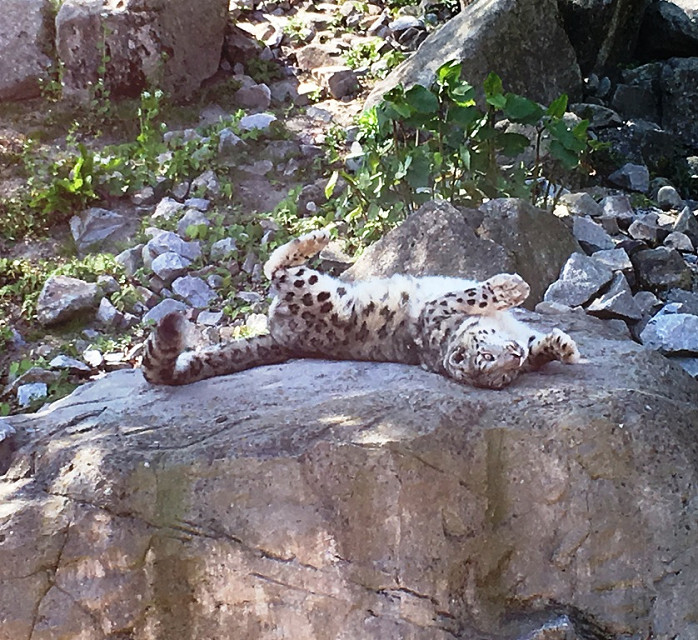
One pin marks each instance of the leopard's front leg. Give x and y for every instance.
(500, 292)
(556, 345)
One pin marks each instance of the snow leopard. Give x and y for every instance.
(459, 328)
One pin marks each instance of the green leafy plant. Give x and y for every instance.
(438, 142)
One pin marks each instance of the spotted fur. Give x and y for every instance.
(459, 328)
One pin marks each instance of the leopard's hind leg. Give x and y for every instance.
(166, 360)
(296, 252)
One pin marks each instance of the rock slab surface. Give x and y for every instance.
(349, 500)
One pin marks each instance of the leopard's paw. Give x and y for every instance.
(509, 290)
(564, 347)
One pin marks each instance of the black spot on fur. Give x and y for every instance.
(307, 315)
(312, 279)
(326, 307)
(323, 295)
(368, 309)
(459, 300)
(308, 299)
(299, 283)
(404, 297)
(341, 291)
(294, 309)
(482, 305)
(289, 296)
(472, 302)
(300, 272)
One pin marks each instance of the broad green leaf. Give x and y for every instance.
(522, 110)
(568, 158)
(448, 73)
(331, 184)
(512, 144)
(464, 116)
(558, 107)
(493, 91)
(419, 174)
(421, 99)
(462, 94)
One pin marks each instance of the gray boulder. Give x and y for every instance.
(603, 32)
(617, 302)
(672, 333)
(523, 42)
(669, 29)
(62, 298)
(352, 500)
(635, 177)
(679, 87)
(591, 236)
(581, 279)
(97, 228)
(510, 236)
(687, 224)
(24, 42)
(661, 268)
(173, 44)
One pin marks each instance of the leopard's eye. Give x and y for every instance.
(487, 357)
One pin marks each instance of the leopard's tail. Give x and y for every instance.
(166, 360)
(296, 252)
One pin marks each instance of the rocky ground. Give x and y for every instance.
(260, 141)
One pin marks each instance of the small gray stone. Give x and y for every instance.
(647, 302)
(170, 265)
(95, 227)
(617, 302)
(194, 291)
(614, 259)
(672, 333)
(71, 364)
(161, 309)
(578, 204)
(687, 301)
(165, 241)
(107, 314)
(193, 217)
(143, 197)
(251, 260)
(167, 208)
(63, 298)
(27, 393)
(108, 284)
(210, 318)
(620, 208)
(661, 268)
(679, 241)
(260, 121)
(222, 249)
(591, 236)
(610, 224)
(646, 228)
(251, 297)
(341, 82)
(635, 177)
(228, 142)
(206, 184)
(581, 278)
(687, 223)
(669, 198)
(257, 96)
(200, 204)
(131, 259)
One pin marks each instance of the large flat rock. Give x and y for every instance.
(322, 500)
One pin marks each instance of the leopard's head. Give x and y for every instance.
(485, 358)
